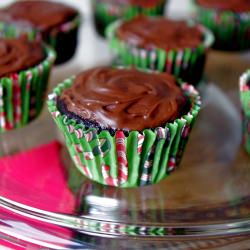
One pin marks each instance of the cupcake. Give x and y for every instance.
(24, 70)
(229, 20)
(156, 43)
(57, 23)
(124, 127)
(245, 103)
(107, 11)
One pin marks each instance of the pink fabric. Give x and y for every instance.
(5, 245)
(41, 170)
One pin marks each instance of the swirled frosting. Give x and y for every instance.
(124, 98)
(44, 15)
(19, 54)
(233, 5)
(140, 3)
(145, 3)
(158, 32)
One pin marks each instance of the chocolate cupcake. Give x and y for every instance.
(24, 70)
(125, 127)
(156, 43)
(245, 104)
(57, 23)
(229, 20)
(107, 11)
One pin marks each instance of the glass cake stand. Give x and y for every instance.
(204, 204)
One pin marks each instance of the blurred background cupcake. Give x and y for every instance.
(245, 104)
(58, 23)
(107, 11)
(25, 65)
(229, 20)
(165, 45)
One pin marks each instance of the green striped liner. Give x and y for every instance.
(245, 104)
(22, 94)
(231, 29)
(151, 155)
(13, 30)
(106, 13)
(187, 64)
(65, 28)
(63, 39)
(58, 38)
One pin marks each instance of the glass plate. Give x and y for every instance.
(207, 198)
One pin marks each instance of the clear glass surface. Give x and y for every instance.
(204, 204)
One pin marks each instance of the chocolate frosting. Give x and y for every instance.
(233, 5)
(19, 54)
(158, 32)
(146, 3)
(124, 98)
(140, 3)
(44, 15)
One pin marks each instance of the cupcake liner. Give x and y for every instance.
(126, 159)
(13, 30)
(231, 29)
(22, 94)
(64, 39)
(187, 64)
(106, 13)
(245, 103)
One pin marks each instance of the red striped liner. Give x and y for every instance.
(16, 98)
(109, 180)
(140, 143)
(84, 168)
(121, 157)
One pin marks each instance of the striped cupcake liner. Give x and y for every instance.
(22, 94)
(245, 103)
(134, 159)
(63, 39)
(13, 30)
(231, 29)
(187, 64)
(106, 13)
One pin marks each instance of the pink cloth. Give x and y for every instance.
(41, 170)
(5, 245)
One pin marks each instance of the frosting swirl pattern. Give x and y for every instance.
(124, 98)
(140, 3)
(44, 15)
(145, 3)
(158, 32)
(19, 54)
(233, 5)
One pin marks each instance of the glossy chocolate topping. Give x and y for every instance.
(157, 32)
(140, 3)
(145, 3)
(124, 98)
(44, 15)
(233, 5)
(19, 54)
